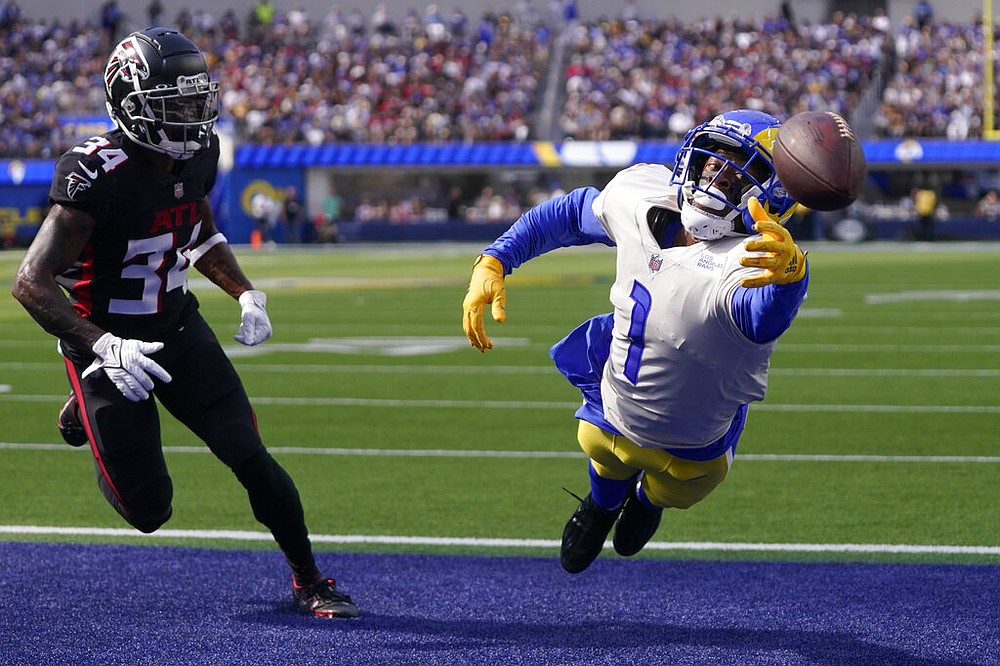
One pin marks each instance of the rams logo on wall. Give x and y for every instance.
(254, 188)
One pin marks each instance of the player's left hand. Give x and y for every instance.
(255, 325)
(782, 260)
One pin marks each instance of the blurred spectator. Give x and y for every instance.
(204, 23)
(368, 211)
(925, 204)
(262, 209)
(923, 14)
(454, 205)
(292, 216)
(880, 21)
(111, 19)
(10, 15)
(8, 231)
(333, 206)
(491, 207)
(264, 12)
(260, 21)
(328, 224)
(155, 11)
(184, 21)
(787, 13)
(229, 26)
(988, 207)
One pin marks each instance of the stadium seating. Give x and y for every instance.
(433, 79)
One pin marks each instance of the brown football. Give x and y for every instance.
(819, 160)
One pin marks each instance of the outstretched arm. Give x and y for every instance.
(765, 304)
(561, 222)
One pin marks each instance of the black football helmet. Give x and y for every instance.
(159, 92)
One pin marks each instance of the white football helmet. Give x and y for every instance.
(708, 212)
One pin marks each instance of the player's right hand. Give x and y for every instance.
(775, 252)
(127, 366)
(485, 286)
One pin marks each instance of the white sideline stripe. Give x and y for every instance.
(550, 370)
(551, 404)
(447, 453)
(386, 540)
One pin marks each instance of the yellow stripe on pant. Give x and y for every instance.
(669, 481)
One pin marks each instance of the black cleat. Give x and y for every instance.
(69, 424)
(584, 535)
(636, 526)
(322, 599)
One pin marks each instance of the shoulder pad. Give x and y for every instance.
(83, 166)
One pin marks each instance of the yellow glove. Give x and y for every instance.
(485, 286)
(783, 262)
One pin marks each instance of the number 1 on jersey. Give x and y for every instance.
(642, 301)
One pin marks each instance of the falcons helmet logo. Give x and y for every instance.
(127, 62)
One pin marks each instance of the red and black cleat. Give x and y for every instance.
(70, 426)
(322, 599)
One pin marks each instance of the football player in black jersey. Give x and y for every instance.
(129, 217)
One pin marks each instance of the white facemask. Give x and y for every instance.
(704, 216)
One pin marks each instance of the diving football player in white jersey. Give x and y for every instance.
(699, 302)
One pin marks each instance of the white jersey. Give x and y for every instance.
(679, 365)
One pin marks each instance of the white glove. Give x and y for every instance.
(255, 326)
(127, 366)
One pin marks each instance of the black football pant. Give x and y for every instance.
(207, 396)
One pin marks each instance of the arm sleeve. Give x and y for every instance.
(560, 222)
(764, 313)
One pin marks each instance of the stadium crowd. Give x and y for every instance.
(653, 79)
(290, 78)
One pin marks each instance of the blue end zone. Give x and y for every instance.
(89, 604)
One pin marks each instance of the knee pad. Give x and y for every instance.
(149, 524)
(259, 469)
(146, 513)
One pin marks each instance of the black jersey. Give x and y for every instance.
(131, 278)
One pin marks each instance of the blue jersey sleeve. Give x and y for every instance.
(560, 222)
(764, 313)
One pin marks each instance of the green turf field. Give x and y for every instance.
(880, 426)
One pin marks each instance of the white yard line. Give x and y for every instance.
(399, 403)
(549, 370)
(422, 369)
(475, 453)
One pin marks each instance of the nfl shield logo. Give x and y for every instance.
(655, 262)
(178, 190)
